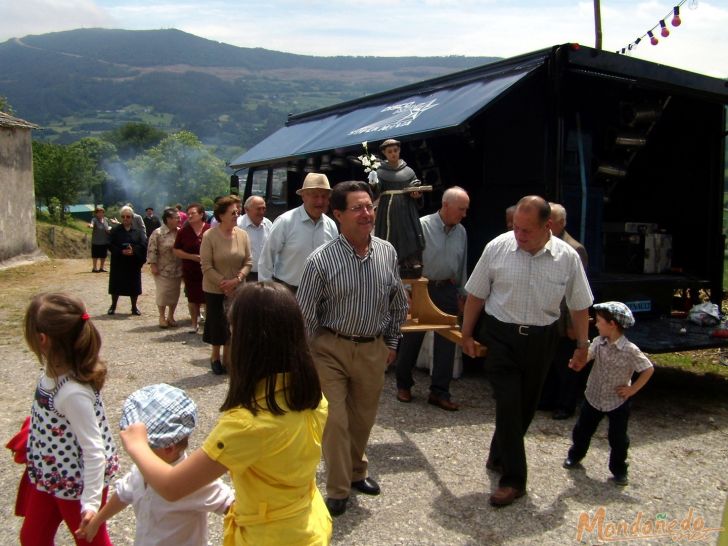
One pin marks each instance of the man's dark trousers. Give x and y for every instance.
(517, 362)
(445, 297)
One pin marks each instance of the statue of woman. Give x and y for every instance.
(398, 219)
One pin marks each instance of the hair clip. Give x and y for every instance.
(85, 317)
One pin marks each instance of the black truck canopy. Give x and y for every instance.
(634, 150)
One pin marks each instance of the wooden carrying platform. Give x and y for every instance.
(425, 316)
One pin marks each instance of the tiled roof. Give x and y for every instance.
(6, 120)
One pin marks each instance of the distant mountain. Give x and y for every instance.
(83, 82)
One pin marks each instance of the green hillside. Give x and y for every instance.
(84, 82)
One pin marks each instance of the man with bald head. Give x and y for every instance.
(514, 294)
(258, 227)
(444, 263)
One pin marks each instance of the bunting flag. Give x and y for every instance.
(660, 28)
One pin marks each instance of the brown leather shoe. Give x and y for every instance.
(443, 403)
(503, 496)
(404, 395)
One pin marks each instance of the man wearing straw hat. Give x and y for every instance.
(297, 233)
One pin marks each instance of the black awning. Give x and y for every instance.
(388, 116)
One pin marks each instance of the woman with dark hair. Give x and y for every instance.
(269, 435)
(128, 247)
(187, 248)
(165, 266)
(226, 260)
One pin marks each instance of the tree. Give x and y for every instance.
(133, 138)
(60, 172)
(100, 152)
(179, 169)
(5, 105)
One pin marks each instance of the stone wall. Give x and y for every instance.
(17, 196)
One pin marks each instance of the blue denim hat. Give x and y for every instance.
(621, 313)
(168, 413)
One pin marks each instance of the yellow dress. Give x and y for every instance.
(272, 460)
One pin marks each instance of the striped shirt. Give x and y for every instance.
(614, 364)
(353, 295)
(520, 288)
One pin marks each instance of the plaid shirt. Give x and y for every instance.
(520, 288)
(614, 364)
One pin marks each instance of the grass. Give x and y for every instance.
(705, 362)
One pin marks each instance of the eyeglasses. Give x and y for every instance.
(235, 212)
(126, 216)
(356, 209)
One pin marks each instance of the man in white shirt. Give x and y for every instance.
(516, 291)
(297, 233)
(258, 227)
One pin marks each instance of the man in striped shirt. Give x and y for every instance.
(519, 283)
(353, 303)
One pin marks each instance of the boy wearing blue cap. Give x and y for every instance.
(609, 388)
(170, 417)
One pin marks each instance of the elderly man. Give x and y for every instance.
(444, 263)
(353, 302)
(296, 233)
(517, 286)
(563, 385)
(258, 228)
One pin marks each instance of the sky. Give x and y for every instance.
(500, 28)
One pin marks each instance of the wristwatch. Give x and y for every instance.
(583, 344)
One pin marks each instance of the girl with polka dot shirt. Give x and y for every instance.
(71, 454)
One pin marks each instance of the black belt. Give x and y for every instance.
(438, 284)
(355, 339)
(523, 329)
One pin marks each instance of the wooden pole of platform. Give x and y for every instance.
(425, 316)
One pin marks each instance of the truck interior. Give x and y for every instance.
(634, 151)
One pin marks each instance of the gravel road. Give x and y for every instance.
(430, 463)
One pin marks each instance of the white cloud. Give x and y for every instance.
(20, 18)
(399, 27)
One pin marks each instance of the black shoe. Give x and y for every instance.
(367, 486)
(217, 367)
(111, 311)
(620, 479)
(561, 414)
(571, 464)
(102, 270)
(94, 271)
(336, 506)
(135, 311)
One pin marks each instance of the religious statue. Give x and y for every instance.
(398, 219)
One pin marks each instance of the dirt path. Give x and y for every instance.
(429, 463)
